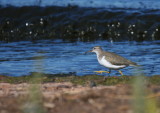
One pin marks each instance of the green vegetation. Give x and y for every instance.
(141, 103)
(81, 80)
(34, 103)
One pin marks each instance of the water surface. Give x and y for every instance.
(57, 33)
(20, 58)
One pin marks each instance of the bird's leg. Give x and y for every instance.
(109, 72)
(102, 72)
(120, 72)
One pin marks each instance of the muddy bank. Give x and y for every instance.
(65, 97)
(76, 94)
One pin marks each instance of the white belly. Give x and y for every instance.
(109, 65)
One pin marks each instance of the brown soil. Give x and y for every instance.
(65, 97)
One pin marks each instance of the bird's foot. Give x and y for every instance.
(121, 72)
(102, 72)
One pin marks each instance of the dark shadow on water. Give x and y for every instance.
(78, 24)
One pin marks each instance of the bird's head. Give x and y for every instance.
(95, 49)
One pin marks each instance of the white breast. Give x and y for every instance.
(108, 64)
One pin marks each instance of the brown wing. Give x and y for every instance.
(118, 60)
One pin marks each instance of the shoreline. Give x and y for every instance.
(65, 94)
(77, 80)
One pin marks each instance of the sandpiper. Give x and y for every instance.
(111, 60)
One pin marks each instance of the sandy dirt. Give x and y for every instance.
(68, 98)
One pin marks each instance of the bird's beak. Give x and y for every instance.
(88, 51)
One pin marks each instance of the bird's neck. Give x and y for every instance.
(98, 53)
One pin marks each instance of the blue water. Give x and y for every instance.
(19, 58)
(138, 4)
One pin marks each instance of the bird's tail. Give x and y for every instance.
(135, 65)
